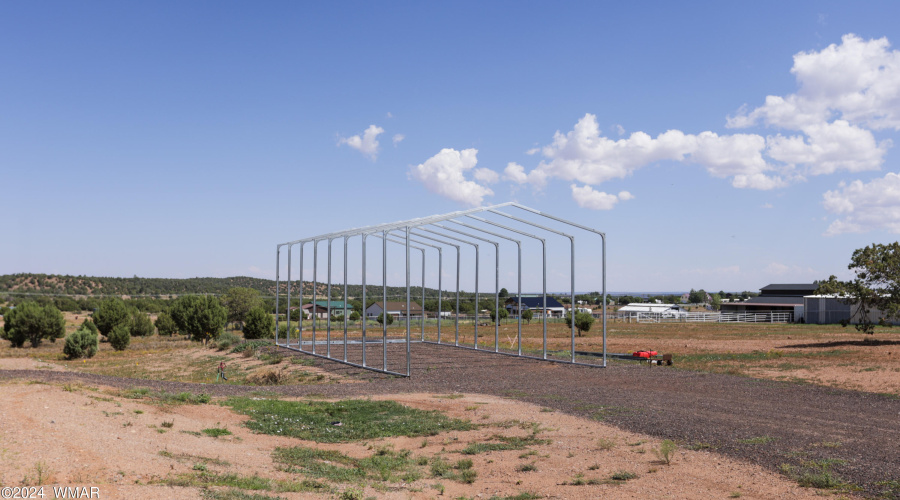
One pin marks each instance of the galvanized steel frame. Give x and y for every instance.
(417, 227)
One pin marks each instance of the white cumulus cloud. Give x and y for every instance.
(586, 156)
(865, 207)
(444, 174)
(586, 197)
(486, 175)
(859, 80)
(398, 138)
(367, 143)
(830, 147)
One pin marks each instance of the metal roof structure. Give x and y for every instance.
(473, 228)
(649, 308)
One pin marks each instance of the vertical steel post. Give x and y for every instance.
(572, 277)
(288, 328)
(477, 310)
(497, 298)
(408, 300)
(384, 312)
(300, 323)
(328, 305)
(364, 317)
(277, 269)
(544, 273)
(457, 296)
(440, 290)
(603, 237)
(519, 341)
(345, 297)
(423, 285)
(314, 286)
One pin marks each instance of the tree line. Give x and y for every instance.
(199, 317)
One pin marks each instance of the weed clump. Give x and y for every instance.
(226, 340)
(666, 451)
(268, 376)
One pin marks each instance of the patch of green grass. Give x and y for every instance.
(525, 495)
(164, 397)
(503, 443)
(250, 345)
(891, 489)
(606, 444)
(699, 445)
(579, 480)
(448, 396)
(516, 394)
(217, 432)
(529, 467)
(359, 419)
(235, 495)
(186, 457)
(816, 474)
(757, 440)
(204, 479)
(384, 465)
(604, 412)
(461, 471)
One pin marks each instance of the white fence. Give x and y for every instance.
(703, 317)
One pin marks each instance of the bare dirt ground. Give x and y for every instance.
(75, 436)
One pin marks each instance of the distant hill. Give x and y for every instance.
(55, 284)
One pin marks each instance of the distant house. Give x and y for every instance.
(310, 309)
(775, 298)
(395, 309)
(535, 303)
(635, 309)
(321, 309)
(579, 309)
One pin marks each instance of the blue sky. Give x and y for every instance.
(719, 145)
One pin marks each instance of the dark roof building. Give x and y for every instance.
(775, 297)
(532, 301)
(788, 290)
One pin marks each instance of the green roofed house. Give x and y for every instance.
(321, 308)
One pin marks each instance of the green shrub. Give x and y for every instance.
(202, 317)
(259, 324)
(88, 324)
(82, 343)
(165, 325)
(390, 318)
(119, 338)
(111, 313)
(140, 324)
(354, 316)
(33, 322)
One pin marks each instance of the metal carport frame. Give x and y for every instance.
(411, 235)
